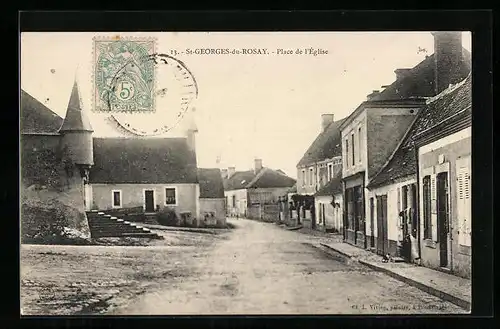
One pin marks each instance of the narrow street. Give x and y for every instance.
(264, 269)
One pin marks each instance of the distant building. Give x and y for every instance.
(212, 200)
(255, 193)
(329, 204)
(321, 163)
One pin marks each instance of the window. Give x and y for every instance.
(347, 153)
(426, 197)
(330, 171)
(352, 143)
(234, 201)
(311, 176)
(117, 198)
(303, 177)
(359, 144)
(170, 196)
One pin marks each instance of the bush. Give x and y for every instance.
(167, 217)
(49, 223)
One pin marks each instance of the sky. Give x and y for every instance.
(248, 106)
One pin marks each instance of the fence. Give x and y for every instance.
(266, 212)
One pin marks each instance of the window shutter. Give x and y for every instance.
(399, 200)
(464, 201)
(433, 208)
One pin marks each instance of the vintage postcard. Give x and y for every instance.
(252, 173)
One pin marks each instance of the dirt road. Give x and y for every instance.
(263, 269)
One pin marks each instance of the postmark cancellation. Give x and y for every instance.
(123, 77)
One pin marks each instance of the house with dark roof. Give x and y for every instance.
(61, 157)
(212, 200)
(318, 165)
(56, 155)
(372, 133)
(153, 173)
(430, 174)
(328, 203)
(255, 193)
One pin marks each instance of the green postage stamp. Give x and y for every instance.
(124, 74)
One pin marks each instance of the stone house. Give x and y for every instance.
(328, 204)
(55, 159)
(62, 160)
(373, 132)
(152, 173)
(255, 193)
(444, 177)
(428, 176)
(212, 200)
(319, 164)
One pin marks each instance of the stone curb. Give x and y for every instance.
(465, 304)
(336, 250)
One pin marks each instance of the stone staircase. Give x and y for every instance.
(150, 219)
(107, 226)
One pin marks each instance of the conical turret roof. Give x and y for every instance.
(75, 119)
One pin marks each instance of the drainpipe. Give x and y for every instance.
(417, 190)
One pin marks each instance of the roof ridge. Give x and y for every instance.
(451, 88)
(257, 177)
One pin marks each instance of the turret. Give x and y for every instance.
(76, 133)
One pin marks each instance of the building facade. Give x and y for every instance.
(372, 135)
(319, 165)
(61, 160)
(429, 177)
(445, 176)
(255, 193)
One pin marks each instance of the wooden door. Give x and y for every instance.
(372, 223)
(382, 242)
(443, 217)
(149, 201)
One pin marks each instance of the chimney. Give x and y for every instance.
(257, 165)
(448, 59)
(223, 173)
(191, 139)
(326, 119)
(373, 94)
(230, 171)
(401, 73)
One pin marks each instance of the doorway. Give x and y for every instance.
(323, 216)
(443, 218)
(372, 223)
(382, 236)
(149, 201)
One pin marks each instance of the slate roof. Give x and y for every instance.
(36, 117)
(211, 186)
(327, 145)
(265, 178)
(403, 162)
(143, 160)
(75, 119)
(419, 81)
